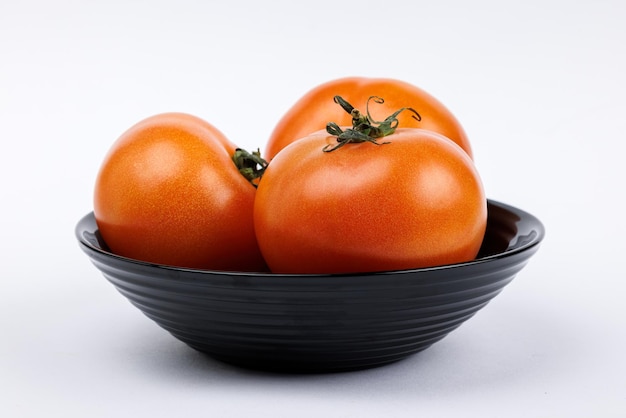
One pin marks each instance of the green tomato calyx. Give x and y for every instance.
(250, 164)
(364, 127)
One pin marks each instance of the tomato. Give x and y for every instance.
(168, 192)
(412, 199)
(316, 108)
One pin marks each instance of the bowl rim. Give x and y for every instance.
(533, 225)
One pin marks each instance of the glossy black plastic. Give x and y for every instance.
(320, 323)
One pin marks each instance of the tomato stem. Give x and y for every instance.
(250, 165)
(364, 127)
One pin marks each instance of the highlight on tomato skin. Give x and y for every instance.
(315, 108)
(168, 192)
(414, 201)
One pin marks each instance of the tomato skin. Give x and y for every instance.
(168, 193)
(415, 202)
(316, 108)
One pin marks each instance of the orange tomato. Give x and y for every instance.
(414, 200)
(316, 108)
(168, 192)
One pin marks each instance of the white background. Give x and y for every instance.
(538, 85)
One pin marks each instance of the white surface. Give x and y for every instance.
(538, 85)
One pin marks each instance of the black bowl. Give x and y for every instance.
(320, 323)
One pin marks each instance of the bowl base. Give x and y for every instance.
(309, 366)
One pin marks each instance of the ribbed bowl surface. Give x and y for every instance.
(320, 323)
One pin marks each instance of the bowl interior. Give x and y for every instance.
(509, 230)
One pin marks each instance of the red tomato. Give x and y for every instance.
(168, 192)
(415, 200)
(316, 108)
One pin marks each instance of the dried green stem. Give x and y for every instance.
(364, 127)
(250, 165)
